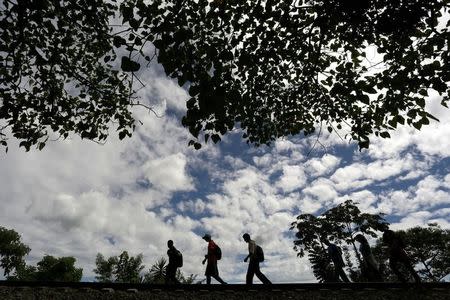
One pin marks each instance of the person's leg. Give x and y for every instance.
(217, 277)
(260, 275)
(336, 275)
(374, 273)
(174, 276)
(250, 273)
(342, 274)
(394, 267)
(170, 275)
(208, 279)
(407, 263)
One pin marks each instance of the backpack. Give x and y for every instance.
(259, 253)
(179, 261)
(218, 253)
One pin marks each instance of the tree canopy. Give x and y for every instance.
(279, 68)
(122, 268)
(12, 251)
(272, 68)
(58, 269)
(428, 249)
(50, 268)
(55, 72)
(338, 225)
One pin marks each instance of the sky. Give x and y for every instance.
(78, 198)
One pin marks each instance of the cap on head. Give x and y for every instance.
(206, 237)
(246, 236)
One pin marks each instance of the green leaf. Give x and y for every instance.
(423, 92)
(385, 134)
(420, 102)
(122, 135)
(215, 138)
(118, 41)
(369, 89)
(128, 65)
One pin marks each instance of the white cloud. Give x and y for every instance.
(323, 165)
(322, 189)
(169, 173)
(309, 206)
(419, 218)
(79, 198)
(198, 206)
(293, 178)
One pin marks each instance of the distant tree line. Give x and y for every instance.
(122, 268)
(427, 247)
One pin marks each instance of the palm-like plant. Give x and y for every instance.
(157, 272)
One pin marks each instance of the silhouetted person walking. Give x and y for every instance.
(255, 259)
(397, 254)
(175, 262)
(370, 267)
(335, 254)
(214, 254)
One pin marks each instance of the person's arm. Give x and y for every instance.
(251, 250)
(210, 248)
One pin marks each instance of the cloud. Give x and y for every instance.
(79, 198)
(196, 206)
(169, 173)
(322, 189)
(293, 178)
(322, 166)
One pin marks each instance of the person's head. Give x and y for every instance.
(360, 239)
(246, 237)
(388, 236)
(207, 237)
(170, 243)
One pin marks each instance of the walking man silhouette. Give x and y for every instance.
(397, 254)
(336, 256)
(369, 267)
(212, 256)
(253, 266)
(175, 261)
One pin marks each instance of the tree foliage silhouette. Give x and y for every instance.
(122, 268)
(272, 68)
(320, 264)
(58, 269)
(12, 251)
(57, 72)
(157, 272)
(338, 225)
(50, 268)
(279, 68)
(428, 249)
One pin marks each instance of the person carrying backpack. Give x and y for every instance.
(175, 262)
(256, 255)
(214, 254)
(335, 254)
(397, 254)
